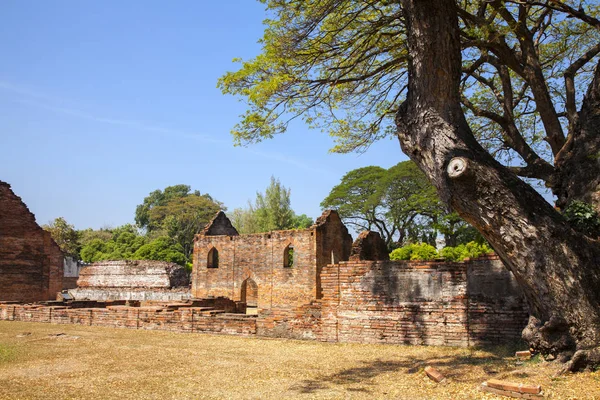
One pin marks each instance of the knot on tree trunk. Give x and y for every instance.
(458, 167)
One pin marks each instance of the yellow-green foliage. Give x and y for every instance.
(462, 251)
(415, 251)
(424, 252)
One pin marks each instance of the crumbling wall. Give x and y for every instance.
(132, 280)
(31, 263)
(178, 319)
(433, 303)
(219, 225)
(262, 260)
(369, 246)
(258, 258)
(333, 243)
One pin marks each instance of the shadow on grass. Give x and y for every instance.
(492, 360)
(358, 375)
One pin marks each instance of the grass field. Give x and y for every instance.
(104, 363)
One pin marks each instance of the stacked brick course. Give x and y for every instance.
(132, 280)
(184, 319)
(31, 263)
(431, 303)
(260, 259)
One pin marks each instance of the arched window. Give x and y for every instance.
(288, 257)
(213, 258)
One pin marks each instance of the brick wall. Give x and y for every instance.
(148, 274)
(186, 319)
(31, 263)
(434, 303)
(259, 260)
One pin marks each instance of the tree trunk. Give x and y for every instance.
(578, 165)
(556, 267)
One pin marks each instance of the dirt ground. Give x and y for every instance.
(43, 361)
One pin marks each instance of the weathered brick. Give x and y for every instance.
(31, 263)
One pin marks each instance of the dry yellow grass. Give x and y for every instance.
(103, 363)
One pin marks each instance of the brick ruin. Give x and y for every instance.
(132, 280)
(336, 290)
(277, 270)
(312, 283)
(31, 263)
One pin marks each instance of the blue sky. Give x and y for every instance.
(104, 102)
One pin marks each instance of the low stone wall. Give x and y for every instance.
(178, 294)
(186, 319)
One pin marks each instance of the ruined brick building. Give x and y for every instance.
(312, 283)
(315, 283)
(31, 263)
(279, 269)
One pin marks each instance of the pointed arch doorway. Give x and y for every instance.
(249, 295)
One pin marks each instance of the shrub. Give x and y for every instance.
(415, 251)
(462, 251)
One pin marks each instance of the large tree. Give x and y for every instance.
(398, 202)
(178, 213)
(476, 92)
(271, 211)
(65, 236)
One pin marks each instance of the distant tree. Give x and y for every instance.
(244, 219)
(302, 221)
(178, 213)
(181, 218)
(122, 245)
(159, 198)
(399, 203)
(163, 249)
(89, 234)
(271, 211)
(65, 236)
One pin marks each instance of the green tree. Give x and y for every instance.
(302, 221)
(123, 243)
(65, 236)
(244, 219)
(477, 92)
(399, 203)
(159, 198)
(178, 213)
(89, 234)
(271, 211)
(162, 249)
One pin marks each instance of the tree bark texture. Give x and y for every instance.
(578, 165)
(556, 266)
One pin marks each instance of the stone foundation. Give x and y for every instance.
(178, 294)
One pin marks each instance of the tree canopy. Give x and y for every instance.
(342, 67)
(65, 236)
(271, 211)
(399, 203)
(178, 213)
